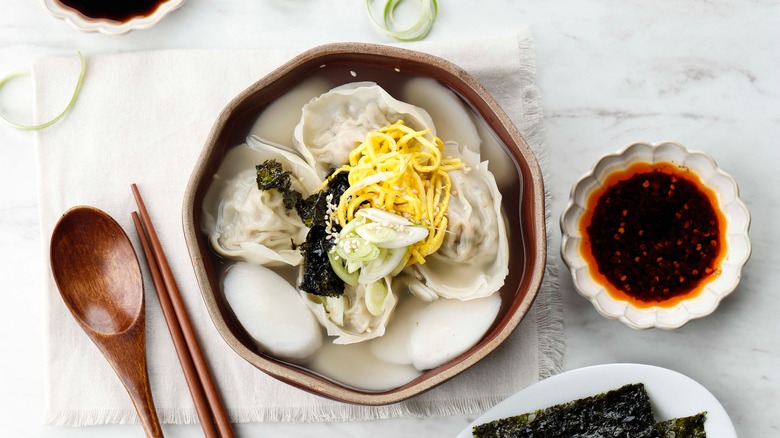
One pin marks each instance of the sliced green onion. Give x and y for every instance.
(377, 233)
(381, 266)
(402, 264)
(393, 236)
(61, 115)
(353, 266)
(354, 247)
(428, 11)
(382, 216)
(335, 308)
(350, 226)
(376, 293)
(336, 263)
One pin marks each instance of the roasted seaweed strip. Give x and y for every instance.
(318, 276)
(272, 176)
(314, 209)
(622, 413)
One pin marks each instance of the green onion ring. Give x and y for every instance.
(428, 11)
(61, 115)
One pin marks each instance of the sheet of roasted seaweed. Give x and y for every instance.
(621, 413)
(685, 427)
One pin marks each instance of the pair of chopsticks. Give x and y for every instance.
(204, 393)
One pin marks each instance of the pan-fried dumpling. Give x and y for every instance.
(333, 124)
(360, 314)
(247, 224)
(474, 257)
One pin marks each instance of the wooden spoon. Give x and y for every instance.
(99, 278)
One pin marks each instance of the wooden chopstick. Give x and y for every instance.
(180, 313)
(187, 365)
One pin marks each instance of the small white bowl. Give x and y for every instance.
(88, 24)
(737, 242)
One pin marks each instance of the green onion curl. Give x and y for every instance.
(22, 127)
(428, 11)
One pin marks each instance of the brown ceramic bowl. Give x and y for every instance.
(522, 191)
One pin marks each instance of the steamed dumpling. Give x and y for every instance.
(254, 225)
(333, 124)
(247, 224)
(348, 317)
(476, 226)
(474, 257)
(272, 312)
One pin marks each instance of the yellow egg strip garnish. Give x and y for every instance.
(402, 171)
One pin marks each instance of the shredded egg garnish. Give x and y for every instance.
(400, 170)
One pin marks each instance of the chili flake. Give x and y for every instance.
(654, 233)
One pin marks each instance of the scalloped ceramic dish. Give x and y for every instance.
(523, 198)
(737, 250)
(84, 23)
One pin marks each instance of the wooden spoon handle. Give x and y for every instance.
(141, 394)
(126, 353)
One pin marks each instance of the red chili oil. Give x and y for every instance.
(115, 10)
(653, 234)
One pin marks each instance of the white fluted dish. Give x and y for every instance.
(83, 23)
(737, 240)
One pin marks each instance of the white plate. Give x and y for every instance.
(671, 393)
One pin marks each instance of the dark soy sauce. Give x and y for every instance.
(116, 10)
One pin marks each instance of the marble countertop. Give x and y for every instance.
(703, 73)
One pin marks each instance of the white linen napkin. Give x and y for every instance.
(143, 118)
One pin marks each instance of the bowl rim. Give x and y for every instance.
(654, 316)
(83, 23)
(535, 224)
